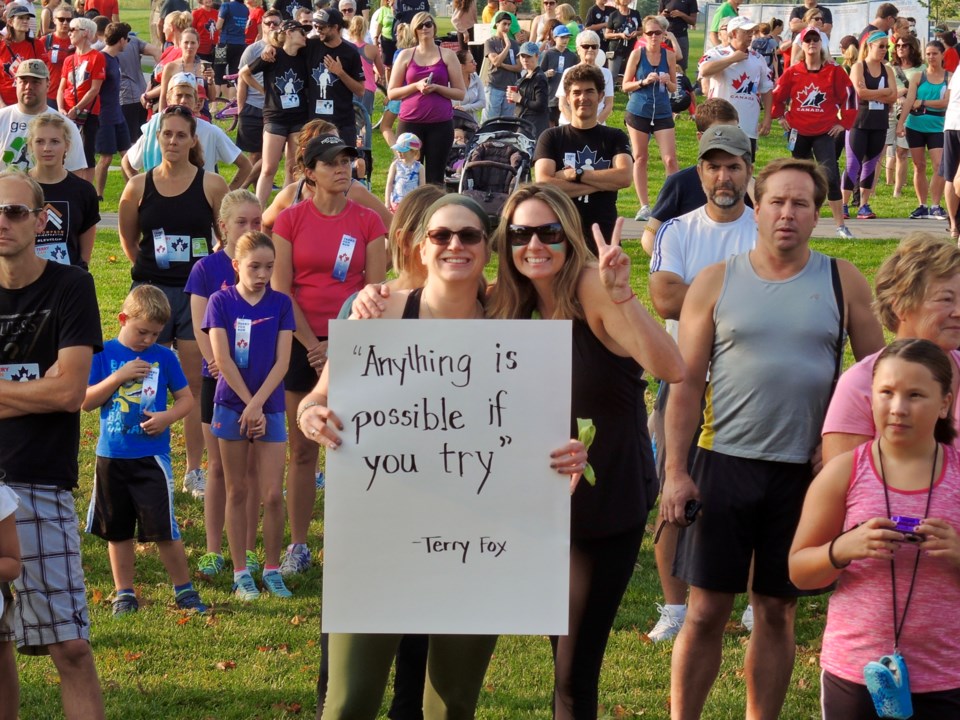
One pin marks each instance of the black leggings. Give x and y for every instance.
(864, 148)
(824, 149)
(437, 139)
(600, 570)
(845, 700)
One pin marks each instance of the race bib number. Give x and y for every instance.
(570, 160)
(55, 252)
(288, 102)
(20, 372)
(179, 249)
(241, 344)
(151, 386)
(344, 256)
(324, 107)
(161, 251)
(200, 247)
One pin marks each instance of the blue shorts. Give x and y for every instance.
(226, 425)
(112, 139)
(393, 106)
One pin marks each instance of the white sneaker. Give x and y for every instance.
(668, 625)
(195, 483)
(747, 618)
(643, 213)
(844, 232)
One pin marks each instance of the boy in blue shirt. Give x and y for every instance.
(133, 484)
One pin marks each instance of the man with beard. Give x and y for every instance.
(336, 74)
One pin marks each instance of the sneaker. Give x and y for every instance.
(937, 213)
(245, 588)
(844, 232)
(125, 604)
(643, 213)
(190, 600)
(919, 214)
(321, 481)
(253, 563)
(846, 212)
(667, 626)
(747, 618)
(195, 483)
(210, 564)
(296, 560)
(865, 213)
(273, 584)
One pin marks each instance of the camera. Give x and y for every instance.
(691, 510)
(907, 525)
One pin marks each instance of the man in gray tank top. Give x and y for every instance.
(766, 325)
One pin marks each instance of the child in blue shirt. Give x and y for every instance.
(133, 484)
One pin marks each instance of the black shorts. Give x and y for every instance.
(250, 129)
(951, 155)
(89, 130)
(180, 324)
(648, 125)
(283, 129)
(917, 139)
(301, 377)
(133, 498)
(135, 115)
(845, 700)
(750, 511)
(208, 387)
(112, 139)
(388, 48)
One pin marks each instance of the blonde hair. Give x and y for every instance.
(249, 242)
(404, 226)
(147, 302)
(234, 200)
(565, 13)
(358, 27)
(405, 37)
(419, 19)
(45, 119)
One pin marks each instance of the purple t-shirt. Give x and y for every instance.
(268, 317)
(212, 273)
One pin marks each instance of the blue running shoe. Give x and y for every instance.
(273, 584)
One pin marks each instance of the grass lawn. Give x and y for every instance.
(260, 660)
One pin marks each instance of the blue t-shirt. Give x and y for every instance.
(212, 273)
(120, 433)
(235, 15)
(268, 317)
(110, 112)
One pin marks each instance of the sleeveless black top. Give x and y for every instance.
(411, 309)
(875, 118)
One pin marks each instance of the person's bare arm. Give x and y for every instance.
(837, 443)
(128, 221)
(614, 178)
(62, 389)
(86, 241)
(866, 335)
(715, 67)
(667, 292)
(243, 171)
(156, 422)
(546, 172)
(650, 235)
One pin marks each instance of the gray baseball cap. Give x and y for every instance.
(728, 138)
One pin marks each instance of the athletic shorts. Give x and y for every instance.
(208, 387)
(180, 324)
(133, 497)
(51, 604)
(226, 425)
(91, 126)
(283, 129)
(844, 700)
(301, 377)
(894, 141)
(750, 511)
(393, 106)
(951, 155)
(113, 139)
(648, 125)
(931, 141)
(250, 129)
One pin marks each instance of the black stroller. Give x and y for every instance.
(465, 121)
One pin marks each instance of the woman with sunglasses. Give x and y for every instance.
(164, 242)
(453, 227)
(812, 18)
(907, 65)
(540, 33)
(285, 110)
(427, 80)
(650, 78)
(546, 271)
(190, 64)
(19, 44)
(588, 50)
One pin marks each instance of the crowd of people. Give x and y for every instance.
(847, 479)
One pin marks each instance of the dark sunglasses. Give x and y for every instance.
(347, 10)
(320, 26)
(816, 19)
(63, 19)
(590, 47)
(427, 24)
(653, 33)
(178, 110)
(812, 39)
(549, 234)
(467, 236)
(271, 24)
(548, 3)
(17, 212)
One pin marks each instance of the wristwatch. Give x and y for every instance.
(579, 175)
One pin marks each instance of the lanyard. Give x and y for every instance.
(898, 628)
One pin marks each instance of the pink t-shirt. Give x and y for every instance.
(317, 240)
(850, 409)
(860, 615)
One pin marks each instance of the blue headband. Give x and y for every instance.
(877, 36)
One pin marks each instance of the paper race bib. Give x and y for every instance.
(324, 107)
(148, 394)
(288, 102)
(241, 344)
(161, 251)
(344, 256)
(200, 247)
(55, 251)
(20, 372)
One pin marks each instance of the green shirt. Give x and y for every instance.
(514, 24)
(726, 10)
(384, 17)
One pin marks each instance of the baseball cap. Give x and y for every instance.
(812, 30)
(502, 15)
(529, 48)
(407, 141)
(325, 148)
(561, 31)
(18, 10)
(728, 138)
(34, 68)
(740, 23)
(329, 16)
(288, 25)
(184, 78)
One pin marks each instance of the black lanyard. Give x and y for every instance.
(898, 628)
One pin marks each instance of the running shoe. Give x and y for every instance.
(245, 588)
(195, 483)
(643, 213)
(273, 584)
(296, 560)
(253, 563)
(937, 213)
(747, 618)
(210, 564)
(125, 604)
(919, 214)
(844, 232)
(846, 212)
(190, 600)
(865, 213)
(668, 625)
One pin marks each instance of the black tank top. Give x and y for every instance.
(873, 119)
(411, 309)
(186, 224)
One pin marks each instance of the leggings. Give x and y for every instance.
(845, 700)
(824, 149)
(360, 666)
(600, 570)
(437, 139)
(864, 148)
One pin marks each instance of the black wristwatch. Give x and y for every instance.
(579, 174)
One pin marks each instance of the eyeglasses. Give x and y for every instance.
(320, 26)
(351, 10)
(653, 33)
(818, 19)
(18, 212)
(467, 236)
(589, 47)
(271, 24)
(428, 24)
(549, 234)
(63, 19)
(546, 4)
(178, 110)
(900, 45)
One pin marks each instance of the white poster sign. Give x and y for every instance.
(442, 514)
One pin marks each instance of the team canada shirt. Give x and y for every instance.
(818, 99)
(741, 84)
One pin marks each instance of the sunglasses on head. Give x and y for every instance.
(178, 110)
(549, 234)
(585, 46)
(467, 236)
(17, 212)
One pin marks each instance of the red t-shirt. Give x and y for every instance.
(11, 53)
(79, 72)
(107, 8)
(951, 59)
(205, 23)
(316, 241)
(253, 25)
(60, 49)
(818, 100)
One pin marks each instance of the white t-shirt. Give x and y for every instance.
(13, 140)
(741, 84)
(217, 146)
(952, 119)
(607, 91)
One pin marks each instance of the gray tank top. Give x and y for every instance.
(774, 354)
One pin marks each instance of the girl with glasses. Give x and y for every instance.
(907, 66)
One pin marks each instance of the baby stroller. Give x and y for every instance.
(498, 162)
(462, 120)
(364, 129)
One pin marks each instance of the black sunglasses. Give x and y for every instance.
(427, 24)
(590, 47)
(467, 235)
(271, 24)
(63, 19)
(549, 234)
(17, 212)
(653, 33)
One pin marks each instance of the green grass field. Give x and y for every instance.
(260, 660)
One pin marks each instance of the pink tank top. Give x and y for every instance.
(860, 614)
(369, 81)
(426, 108)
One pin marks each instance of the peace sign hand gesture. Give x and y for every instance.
(614, 264)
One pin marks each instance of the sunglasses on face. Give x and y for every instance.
(653, 33)
(271, 24)
(346, 11)
(63, 19)
(467, 236)
(16, 213)
(549, 234)
(589, 47)
(428, 24)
